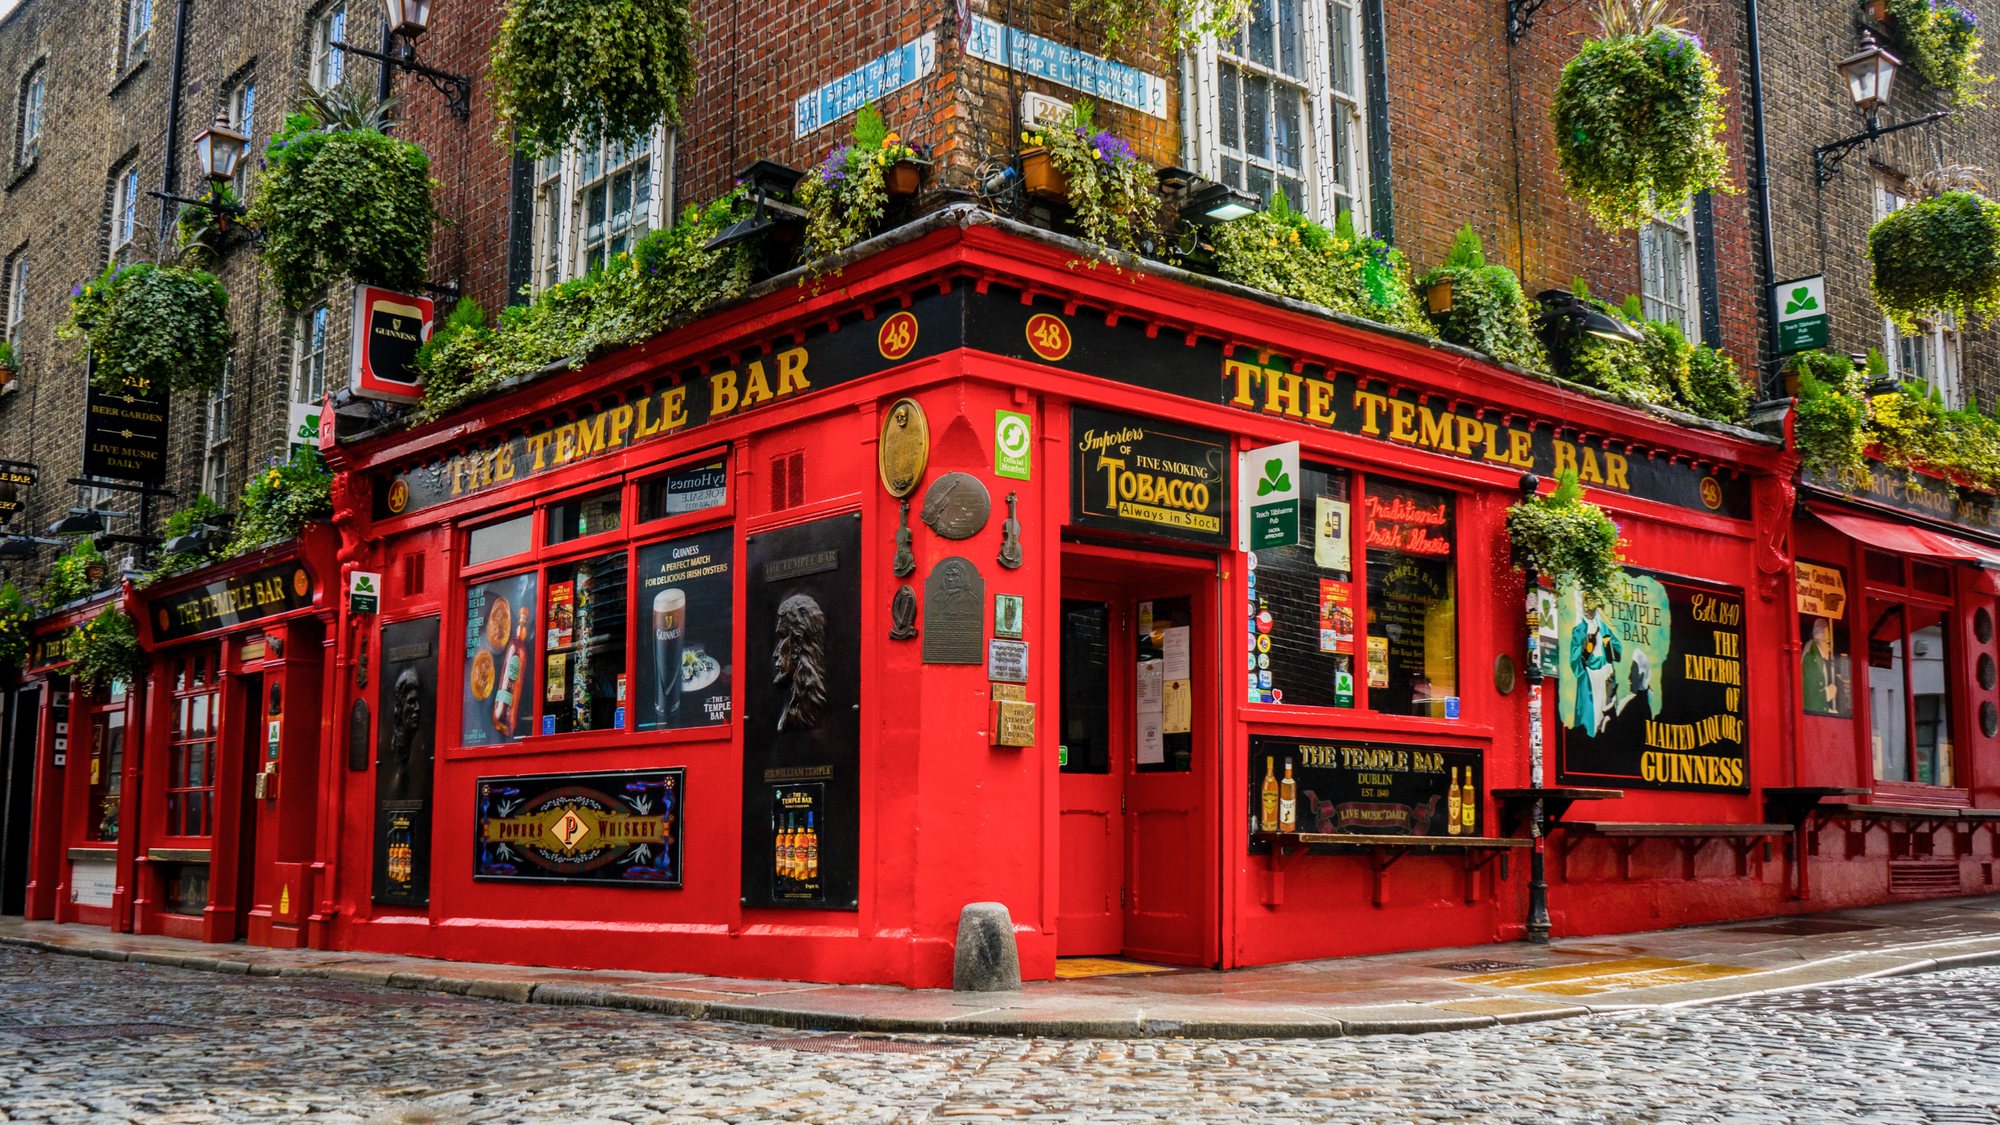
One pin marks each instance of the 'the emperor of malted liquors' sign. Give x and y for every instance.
(1144, 477)
(391, 327)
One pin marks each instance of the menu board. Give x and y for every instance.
(497, 700)
(1650, 685)
(685, 605)
(1145, 477)
(1371, 788)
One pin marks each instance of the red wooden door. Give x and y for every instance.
(1171, 673)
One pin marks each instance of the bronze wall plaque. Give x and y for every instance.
(954, 613)
(1010, 536)
(1012, 693)
(1013, 724)
(906, 559)
(956, 506)
(905, 448)
(903, 614)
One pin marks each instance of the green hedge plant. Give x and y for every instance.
(1940, 254)
(1110, 188)
(578, 73)
(14, 616)
(1488, 313)
(1183, 23)
(105, 650)
(1638, 117)
(844, 195)
(1283, 252)
(1664, 369)
(1829, 419)
(150, 328)
(1564, 538)
(281, 500)
(1940, 43)
(340, 197)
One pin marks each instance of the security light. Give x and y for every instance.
(1219, 203)
(80, 521)
(1564, 314)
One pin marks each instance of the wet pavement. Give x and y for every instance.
(92, 1041)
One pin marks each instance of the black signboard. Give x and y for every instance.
(406, 700)
(232, 601)
(1906, 490)
(125, 435)
(1370, 788)
(1145, 477)
(617, 828)
(798, 818)
(18, 474)
(1650, 685)
(685, 609)
(497, 699)
(801, 707)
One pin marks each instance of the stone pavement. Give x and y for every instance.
(88, 1042)
(1429, 990)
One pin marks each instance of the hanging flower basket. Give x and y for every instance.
(1938, 255)
(1108, 188)
(106, 651)
(1939, 42)
(903, 179)
(1565, 538)
(1437, 296)
(153, 328)
(845, 194)
(573, 74)
(1041, 178)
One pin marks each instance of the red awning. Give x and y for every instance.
(1905, 539)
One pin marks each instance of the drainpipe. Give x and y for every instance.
(170, 179)
(1766, 249)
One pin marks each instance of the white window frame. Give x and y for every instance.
(314, 326)
(1661, 241)
(124, 207)
(329, 63)
(138, 29)
(560, 197)
(34, 94)
(215, 440)
(1331, 116)
(17, 298)
(242, 118)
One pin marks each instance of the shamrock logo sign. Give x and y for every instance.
(1801, 300)
(1276, 479)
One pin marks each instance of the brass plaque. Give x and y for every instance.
(954, 613)
(1013, 723)
(905, 448)
(1013, 693)
(956, 506)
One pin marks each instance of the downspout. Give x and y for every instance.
(1766, 251)
(170, 179)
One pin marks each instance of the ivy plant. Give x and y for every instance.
(1110, 188)
(69, 576)
(1940, 42)
(1188, 22)
(1565, 538)
(1638, 118)
(13, 627)
(1663, 369)
(1940, 254)
(579, 73)
(281, 500)
(341, 197)
(1488, 313)
(105, 650)
(150, 328)
(844, 194)
(667, 277)
(1283, 252)
(1829, 419)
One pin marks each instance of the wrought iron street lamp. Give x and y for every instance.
(1870, 74)
(220, 149)
(406, 20)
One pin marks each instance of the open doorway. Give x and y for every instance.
(17, 796)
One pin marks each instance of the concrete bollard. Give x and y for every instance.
(986, 959)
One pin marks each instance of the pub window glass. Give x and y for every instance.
(586, 515)
(499, 540)
(1306, 656)
(1086, 686)
(1909, 692)
(690, 488)
(1164, 687)
(1412, 653)
(583, 680)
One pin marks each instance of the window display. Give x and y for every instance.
(686, 590)
(584, 647)
(1306, 656)
(1412, 657)
(498, 698)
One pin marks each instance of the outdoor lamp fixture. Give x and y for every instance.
(80, 521)
(408, 19)
(1218, 203)
(23, 546)
(195, 540)
(771, 184)
(220, 149)
(1563, 314)
(1870, 74)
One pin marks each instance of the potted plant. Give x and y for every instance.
(152, 328)
(1638, 117)
(13, 627)
(69, 577)
(1109, 189)
(9, 363)
(1940, 43)
(573, 74)
(845, 194)
(105, 650)
(281, 500)
(1481, 306)
(1940, 254)
(1564, 538)
(1283, 252)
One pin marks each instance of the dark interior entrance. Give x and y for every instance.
(252, 755)
(17, 795)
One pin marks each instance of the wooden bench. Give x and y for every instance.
(1797, 806)
(1517, 805)
(1382, 853)
(1691, 838)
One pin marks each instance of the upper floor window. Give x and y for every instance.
(593, 205)
(215, 463)
(1279, 107)
(33, 92)
(308, 378)
(328, 61)
(124, 207)
(138, 29)
(1668, 277)
(17, 298)
(242, 118)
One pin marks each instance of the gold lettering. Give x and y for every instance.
(1436, 430)
(621, 421)
(792, 371)
(1241, 372)
(540, 444)
(721, 393)
(758, 388)
(1521, 448)
(674, 408)
(1614, 472)
(590, 436)
(1370, 404)
(1281, 394)
(1319, 402)
(1402, 421)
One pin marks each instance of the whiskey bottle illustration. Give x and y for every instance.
(1268, 818)
(812, 851)
(1288, 801)
(1468, 805)
(1453, 798)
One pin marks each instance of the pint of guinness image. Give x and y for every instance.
(669, 638)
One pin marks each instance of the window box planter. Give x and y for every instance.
(1041, 178)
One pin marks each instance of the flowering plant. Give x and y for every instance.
(1938, 254)
(105, 650)
(1565, 538)
(843, 195)
(280, 500)
(151, 327)
(570, 74)
(1941, 41)
(1110, 188)
(1281, 251)
(69, 576)
(13, 627)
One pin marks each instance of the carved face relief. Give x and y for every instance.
(408, 716)
(800, 656)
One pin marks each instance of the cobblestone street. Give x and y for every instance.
(1915, 1049)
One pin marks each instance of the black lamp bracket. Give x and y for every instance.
(1521, 18)
(456, 88)
(213, 203)
(1827, 157)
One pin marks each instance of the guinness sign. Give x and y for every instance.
(389, 327)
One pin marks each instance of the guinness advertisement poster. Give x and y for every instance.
(685, 622)
(498, 704)
(233, 601)
(406, 701)
(619, 829)
(1150, 478)
(392, 327)
(1650, 685)
(1370, 788)
(125, 435)
(802, 718)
